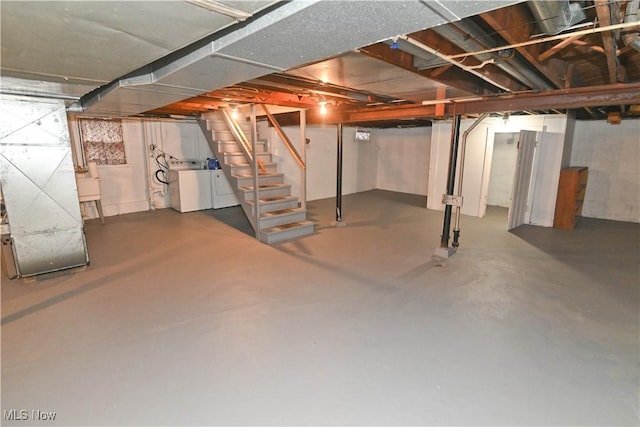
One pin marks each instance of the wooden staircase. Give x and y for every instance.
(279, 216)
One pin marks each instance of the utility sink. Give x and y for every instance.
(89, 191)
(88, 188)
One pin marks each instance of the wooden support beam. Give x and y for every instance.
(441, 93)
(604, 16)
(557, 48)
(569, 76)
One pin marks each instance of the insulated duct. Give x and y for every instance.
(631, 15)
(476, 39)
(39, 186)
(556, 16)
(295, 33)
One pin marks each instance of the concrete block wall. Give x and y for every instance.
(403, 159)
(612, 154)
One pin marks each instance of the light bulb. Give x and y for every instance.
(234, 113)
(323, 108)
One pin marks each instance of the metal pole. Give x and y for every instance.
(303, 149)
(339, 177)
(256, 173)
(451, 179)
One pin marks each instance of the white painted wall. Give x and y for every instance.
(123, 187)
(478, 162)
(182, 142)
(503, 169)
(478, 155)
(131, 187)
(359, 160)
(403, 159)
(612, 154)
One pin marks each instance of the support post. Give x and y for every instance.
(444, 249)
(254, 166)
(303, 149)
(339, 178)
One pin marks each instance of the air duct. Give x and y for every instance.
(476, 39)
(631, 15)
(556, 16)
(278, 40)
(39, 186)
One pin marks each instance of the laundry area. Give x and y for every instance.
(320, 213)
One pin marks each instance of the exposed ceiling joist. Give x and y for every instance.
(514, 26)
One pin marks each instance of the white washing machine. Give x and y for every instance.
(197, 189)
(190, 190)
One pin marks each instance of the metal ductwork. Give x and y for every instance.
(422, 60)
(632, 15)
(556, 16)
(39, 186)
(288, 36)
(479, 40)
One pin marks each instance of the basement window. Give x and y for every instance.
(102, 141)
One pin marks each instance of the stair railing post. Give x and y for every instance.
(303, 171)
(254, 166)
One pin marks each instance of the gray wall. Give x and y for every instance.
(612, 154)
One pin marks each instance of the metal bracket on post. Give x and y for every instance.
(451, 200)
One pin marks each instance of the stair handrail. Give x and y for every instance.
(239, 135)
(284, 138)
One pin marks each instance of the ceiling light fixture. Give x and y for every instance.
(214, 6)
(323, 108)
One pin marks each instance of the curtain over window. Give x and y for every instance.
(102, 141)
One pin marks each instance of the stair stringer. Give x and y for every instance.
(226, 168)
(272, 215)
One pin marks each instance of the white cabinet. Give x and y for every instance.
(194, 190)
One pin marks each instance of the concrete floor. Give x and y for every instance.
(182, 319)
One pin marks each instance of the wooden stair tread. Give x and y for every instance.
(264, 186)
(279, 212)
(287, 226)
(274, 199)
(249, 164)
